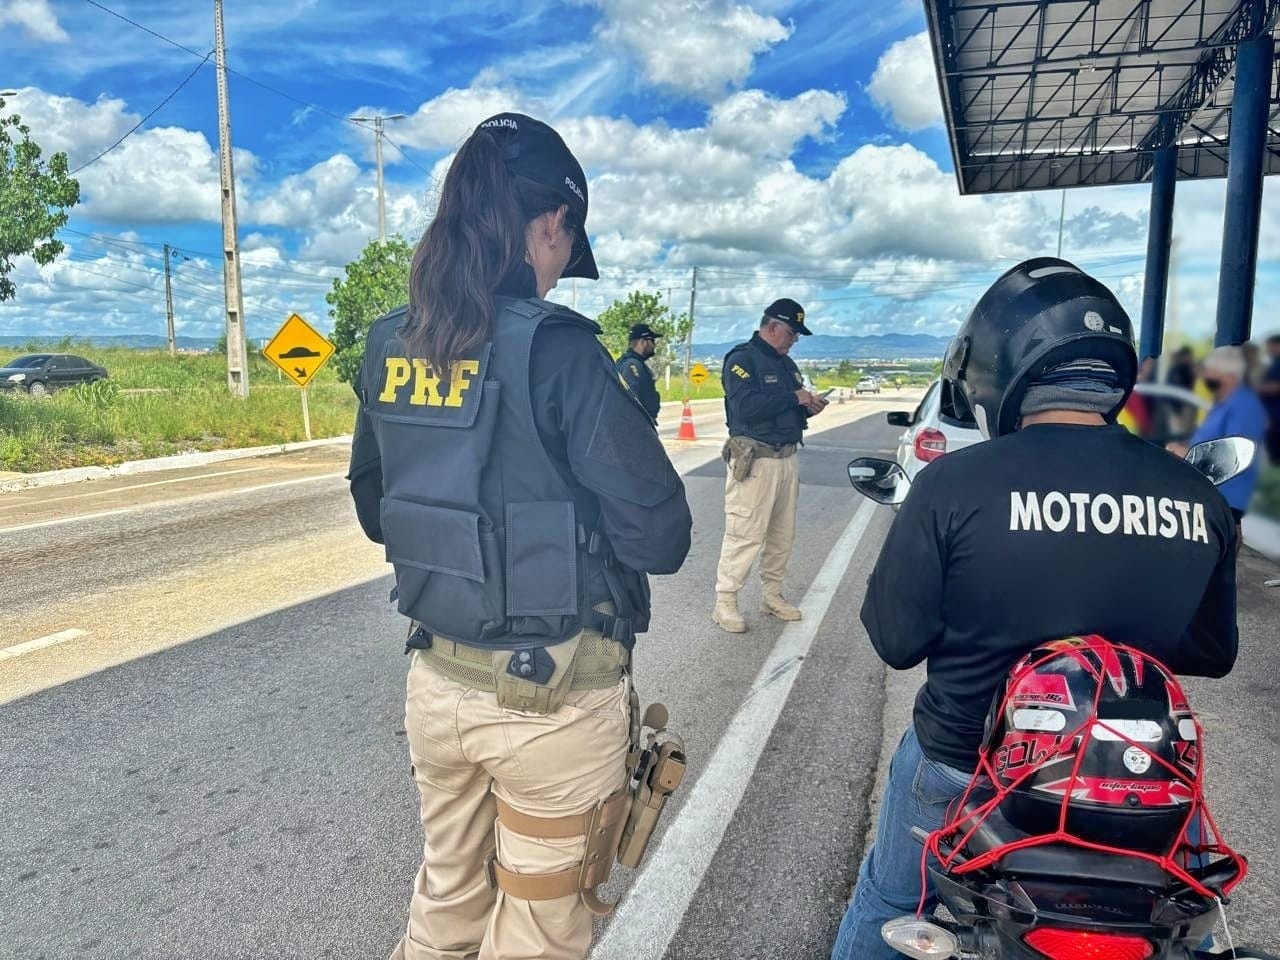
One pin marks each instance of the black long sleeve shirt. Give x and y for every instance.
(1054, 531)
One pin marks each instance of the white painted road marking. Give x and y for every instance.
(138, 486)
(201, 498)
(650, 913)
(40, 643)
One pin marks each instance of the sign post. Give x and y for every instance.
(299, 352)
(698, 374)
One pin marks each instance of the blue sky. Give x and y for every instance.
(784, 148)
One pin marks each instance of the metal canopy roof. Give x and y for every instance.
(1043, 94)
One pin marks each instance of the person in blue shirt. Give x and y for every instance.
(1237, 412)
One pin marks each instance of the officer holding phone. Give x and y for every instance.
(768, 410)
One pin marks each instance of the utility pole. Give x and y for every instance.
(377, 122)
(688, 343)
(237, 359)
(168, 298)
(1062, 219)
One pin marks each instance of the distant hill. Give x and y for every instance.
(820, 346)
(132, 341)
(826, 347)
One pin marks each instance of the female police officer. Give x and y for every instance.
(522, 495)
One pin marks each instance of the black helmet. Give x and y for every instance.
(1041, 314)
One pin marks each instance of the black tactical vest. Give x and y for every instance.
(774, 373)
(492, 541)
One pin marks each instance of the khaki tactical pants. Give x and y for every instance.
(466, 750)
(760, 518)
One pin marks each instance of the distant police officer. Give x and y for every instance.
(768, 410)
(1063, 524)
(634, 369)
(520, 532)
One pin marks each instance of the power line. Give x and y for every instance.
(135, 127)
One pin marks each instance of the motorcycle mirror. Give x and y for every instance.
(920, 938)
(1220, 460)
(880, 480)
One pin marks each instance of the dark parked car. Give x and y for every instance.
(42, 373)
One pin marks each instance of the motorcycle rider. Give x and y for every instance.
(1063, 524)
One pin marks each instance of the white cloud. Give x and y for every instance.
(905, 86)
(161, 175)
(692, 47)
(35, 17)
(443, 122)
(755, 122)
(71, 126)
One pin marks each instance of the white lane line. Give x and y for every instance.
(138, 486)
(198, 498)
(650, 913)
(17, 650)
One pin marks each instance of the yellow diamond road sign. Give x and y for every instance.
(298, 350)
(698, 373)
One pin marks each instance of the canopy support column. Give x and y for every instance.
(1164, 178)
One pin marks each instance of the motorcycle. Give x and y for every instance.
(1059, 902)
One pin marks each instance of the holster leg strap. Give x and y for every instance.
(602, 828)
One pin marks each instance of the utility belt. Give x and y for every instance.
(535, 680)
(741, 452)
(617, 828)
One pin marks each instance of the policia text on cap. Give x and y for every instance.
(522, 495)
(768, 410)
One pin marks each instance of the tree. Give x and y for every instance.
(34, 199)
(845, 370)
(375, 284)
(620, 316)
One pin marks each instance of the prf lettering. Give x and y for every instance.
(426, 382)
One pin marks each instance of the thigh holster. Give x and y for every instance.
(602, 826)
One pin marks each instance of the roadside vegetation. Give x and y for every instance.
(153, 405)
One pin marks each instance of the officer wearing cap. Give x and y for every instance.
(634, 369)
(521, 534)
(768, 410)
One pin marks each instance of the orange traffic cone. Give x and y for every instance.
(686, 424)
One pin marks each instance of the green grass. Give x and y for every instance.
(187, 407)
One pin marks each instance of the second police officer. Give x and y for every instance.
(768, 409)
(522, 496)
(633, 367)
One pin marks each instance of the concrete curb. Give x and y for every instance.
(54, 478)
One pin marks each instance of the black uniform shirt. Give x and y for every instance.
(639, 378)
(1050, 532)
(760, 387)
(608, 447)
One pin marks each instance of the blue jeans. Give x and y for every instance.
(917, 795)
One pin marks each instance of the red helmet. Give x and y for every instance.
(1096, 739)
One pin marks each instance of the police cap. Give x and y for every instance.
(534, 150)
(642, 331)
(790, 313)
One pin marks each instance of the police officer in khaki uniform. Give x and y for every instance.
(522, 495)
(768, 410)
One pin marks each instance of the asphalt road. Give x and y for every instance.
(207, 758)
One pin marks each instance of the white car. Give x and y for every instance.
(869, 385)
(935, 428)
(942, 424)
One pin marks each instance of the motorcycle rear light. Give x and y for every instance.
(1087, 945)
(930, 444)
(920, 939)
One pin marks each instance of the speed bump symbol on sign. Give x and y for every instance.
(698, 374)
(298, 350)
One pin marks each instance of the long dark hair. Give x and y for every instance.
(473, 251)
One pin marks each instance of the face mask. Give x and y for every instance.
(1212, 384)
